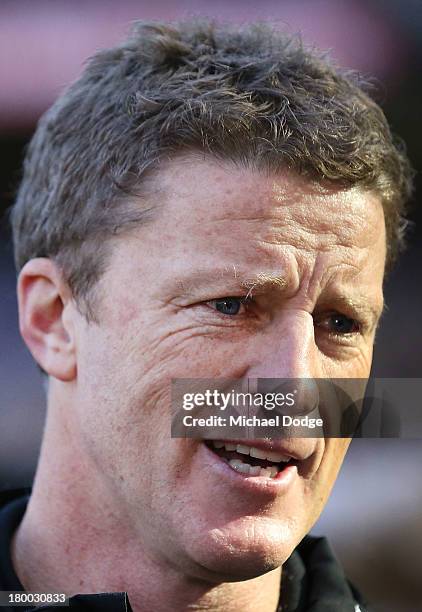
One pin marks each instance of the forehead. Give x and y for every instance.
(220, 229)
(209, 199)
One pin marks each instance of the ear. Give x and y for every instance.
(45, 303)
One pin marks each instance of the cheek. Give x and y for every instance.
(334, 452)
(318, 488)
(124, 398)
(187, 351)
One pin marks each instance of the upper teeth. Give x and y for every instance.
(252, 451)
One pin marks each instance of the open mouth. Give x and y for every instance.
(249, 460)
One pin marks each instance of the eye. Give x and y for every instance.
(228, 305)
(339, 324)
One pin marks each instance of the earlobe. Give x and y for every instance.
(43, 298)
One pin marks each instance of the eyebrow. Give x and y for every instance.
(356, 304)
(261, 281)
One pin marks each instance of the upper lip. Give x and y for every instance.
(297, 448)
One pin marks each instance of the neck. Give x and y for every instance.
(73, 540)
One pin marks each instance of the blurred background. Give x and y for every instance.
(374, 517)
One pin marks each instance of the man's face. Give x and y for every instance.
(162, 315)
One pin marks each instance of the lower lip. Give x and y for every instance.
(280, 483)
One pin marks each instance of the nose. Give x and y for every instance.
(286, 361)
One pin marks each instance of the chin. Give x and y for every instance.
(242, 552)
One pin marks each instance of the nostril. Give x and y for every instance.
(302, 394)
(307, 397)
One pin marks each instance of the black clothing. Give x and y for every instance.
(313, 580)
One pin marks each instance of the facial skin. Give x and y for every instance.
(219, 230)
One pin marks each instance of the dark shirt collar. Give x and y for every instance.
(313, 580)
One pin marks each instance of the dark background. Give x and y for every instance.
(374, 517)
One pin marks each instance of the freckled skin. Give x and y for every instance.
(214, 214)
(155, 325)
